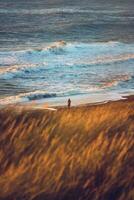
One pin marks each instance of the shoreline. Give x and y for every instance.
(34, 106)
(77, 100)
(37, 109)
(125, 99)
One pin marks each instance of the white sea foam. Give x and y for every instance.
(39, 94)
(14, 68)
(114, 81)
(61, 10)
(28, 96)
(66, 69)
(107, 59)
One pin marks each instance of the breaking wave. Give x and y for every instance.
(109, 59)
(114, 81)
(70, 10)
(62, 54)
(39, 95)
(15, 68)
(24, 97)
(65, 69)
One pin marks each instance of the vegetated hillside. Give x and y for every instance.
(85, 153)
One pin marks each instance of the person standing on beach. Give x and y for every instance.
(69, 103)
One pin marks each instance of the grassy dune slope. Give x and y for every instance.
(84, 153)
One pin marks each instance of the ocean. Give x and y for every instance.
(58, 49)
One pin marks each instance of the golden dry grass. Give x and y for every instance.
(84, 153)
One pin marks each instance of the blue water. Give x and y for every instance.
(60, 49)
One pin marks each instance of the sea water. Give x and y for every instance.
(53, 50)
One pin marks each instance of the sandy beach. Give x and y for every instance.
(85, 152)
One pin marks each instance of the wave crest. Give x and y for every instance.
(14, 68)
(114, 81)
(108, 59)
(53, 47)
(40, 95)
(24, 97)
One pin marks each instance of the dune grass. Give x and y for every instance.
(85, 153)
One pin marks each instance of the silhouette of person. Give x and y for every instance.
(69, 103)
